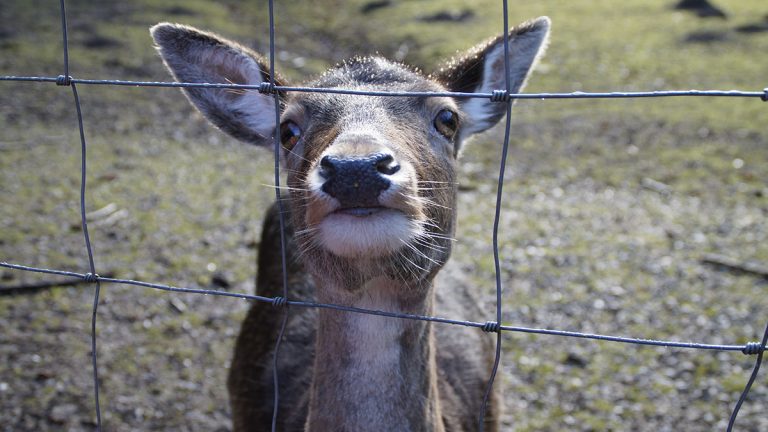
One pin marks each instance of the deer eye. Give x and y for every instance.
(447, 122)
(290, 133)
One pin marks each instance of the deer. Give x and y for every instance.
(369, 219)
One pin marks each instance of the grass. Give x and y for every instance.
(608, 207)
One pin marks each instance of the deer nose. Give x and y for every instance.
(357, 181)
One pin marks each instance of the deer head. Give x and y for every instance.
(372, 180)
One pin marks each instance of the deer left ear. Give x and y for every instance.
(199, 57)
(482, 70)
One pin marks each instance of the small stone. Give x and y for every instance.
(60, 414)
(177, 305)
(220, 280)
(575, 360)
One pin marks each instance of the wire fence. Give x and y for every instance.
(497, 96)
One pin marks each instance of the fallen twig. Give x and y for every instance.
(735, 265)
(36, 287)
(656, 186)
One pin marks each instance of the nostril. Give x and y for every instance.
(386, 165)
(327, 167)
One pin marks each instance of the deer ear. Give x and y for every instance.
(199, 57)
(481, 70)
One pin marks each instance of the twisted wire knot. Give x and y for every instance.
(62, 80)
(491, 327)
(279, 301)
(499, 96)
(752, 348)
(764, 97)
(266, 88)
(91, 277)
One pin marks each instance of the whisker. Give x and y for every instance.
(420, 253)
(285, 187)
(306, 231)
(437, 182)
(413, 273)
(421, 241)
(431, 223)
(299, 156)
(428, 189)
(234, 91)
(409, 270)
(427, 201)
(442, 237)
(291, 171)
(312, 245)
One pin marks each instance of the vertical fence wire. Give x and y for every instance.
(65, 39)
(281, 217)
(93, 278)
(273, 88)
(496, 219)
(66, 80)
(752, 377)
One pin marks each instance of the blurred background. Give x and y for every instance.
(615, 211)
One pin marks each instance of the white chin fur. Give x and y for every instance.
(379, 234)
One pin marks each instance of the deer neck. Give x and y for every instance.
(371, 370)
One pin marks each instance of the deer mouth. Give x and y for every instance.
(361, 211)
(366, 232)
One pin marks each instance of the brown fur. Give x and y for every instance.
(344, 371)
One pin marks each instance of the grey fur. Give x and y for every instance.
(341, 371)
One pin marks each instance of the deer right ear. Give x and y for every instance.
(482, 70)
(199, 57)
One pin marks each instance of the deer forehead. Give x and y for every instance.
(370, 71)
(369, 74)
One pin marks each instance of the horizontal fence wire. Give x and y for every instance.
(751, 348)
(762, 94)
(490, 326)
